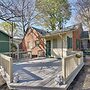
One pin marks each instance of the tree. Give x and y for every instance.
(13, 47)
(7, 27)
(83, 8)
(18, 11)
(53, 13)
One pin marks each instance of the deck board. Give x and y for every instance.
(37, 74)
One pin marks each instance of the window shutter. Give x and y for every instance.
(69, 42)
(77, 43)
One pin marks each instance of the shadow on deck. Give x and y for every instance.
(37, 74)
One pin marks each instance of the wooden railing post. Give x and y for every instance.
(11, 70)
(6, 63)
(0, 59)
(63, 69)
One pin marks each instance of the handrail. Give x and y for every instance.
(16, 52)
(6, 63)
(70, 65)
(19, 55)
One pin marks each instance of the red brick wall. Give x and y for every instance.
(76, 35)
(29, 41)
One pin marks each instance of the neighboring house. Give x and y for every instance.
(60, 42)
(34, 42)
(4, 42)
(85, 40)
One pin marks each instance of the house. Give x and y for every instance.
(4, 42)
(60, 42)
(85, 40)
(34, 42)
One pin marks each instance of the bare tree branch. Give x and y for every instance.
(20, 11)
(83, 8)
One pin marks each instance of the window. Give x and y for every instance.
(30, 45)
(69, 42)
(54, 43)
(77, 43)
(37, 42)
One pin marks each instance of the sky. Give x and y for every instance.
(72, 20)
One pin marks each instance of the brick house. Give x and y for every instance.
(58, 47)
(34, 42)
(77, 38)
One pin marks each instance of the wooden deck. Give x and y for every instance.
(37, 74)
(40, 74)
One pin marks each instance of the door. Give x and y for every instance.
(48, 48)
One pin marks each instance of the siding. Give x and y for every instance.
(4, 43)
(57, 52)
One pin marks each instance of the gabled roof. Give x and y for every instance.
(67, 29)
(4, 33)
(43, 32)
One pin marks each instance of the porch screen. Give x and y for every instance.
(69, 42)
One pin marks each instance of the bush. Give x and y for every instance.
(78, 55)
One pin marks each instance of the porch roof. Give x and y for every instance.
(62, 31)
(5, 33)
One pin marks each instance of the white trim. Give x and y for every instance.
(5, 41)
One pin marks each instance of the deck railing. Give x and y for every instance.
(71, 65)
(70, 52)
(6, 63)
(17, 56)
